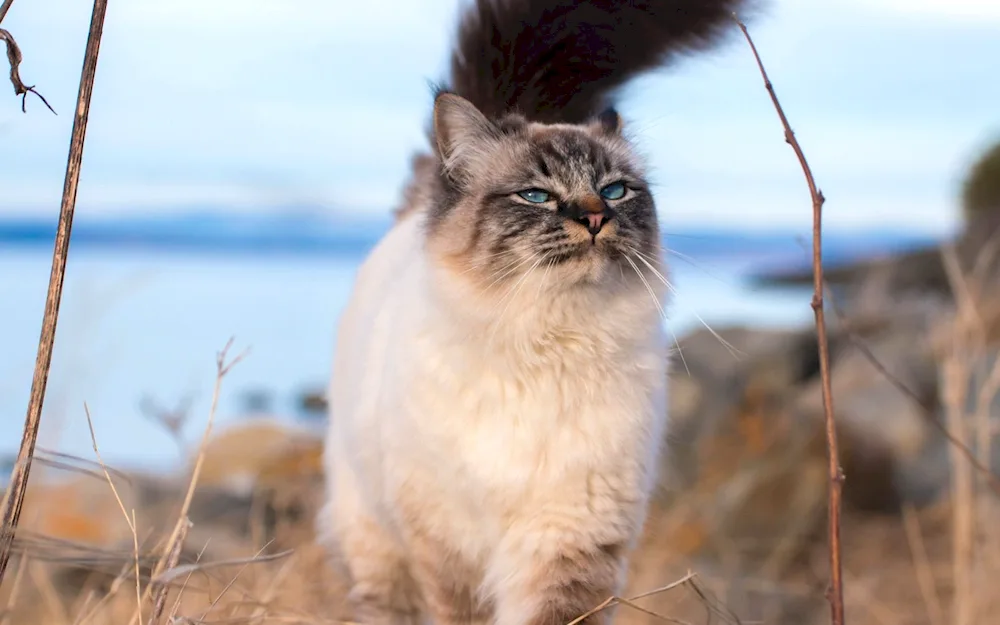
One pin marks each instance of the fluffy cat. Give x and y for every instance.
(498, 398)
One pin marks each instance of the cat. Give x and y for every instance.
(498, 399)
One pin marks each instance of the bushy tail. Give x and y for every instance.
(560, 60)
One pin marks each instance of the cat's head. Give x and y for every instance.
(518, 197)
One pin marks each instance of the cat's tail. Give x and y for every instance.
(560, 60)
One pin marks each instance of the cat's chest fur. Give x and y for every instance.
(559, 404)
(517, 420)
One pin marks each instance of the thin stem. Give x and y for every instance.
(4, 8)
(19, 478)
(835, 594)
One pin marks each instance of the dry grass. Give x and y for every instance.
(154, 585)
(289, 591)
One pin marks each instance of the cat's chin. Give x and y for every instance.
(594, 264)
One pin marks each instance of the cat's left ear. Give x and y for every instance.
(609, 122)
(461, 132)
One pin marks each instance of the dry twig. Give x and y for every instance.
(14, 58)
(14, 497)
(130, 521)
(614, 601)
(835, 594)
(171, 420)
(160, 589)
(223, 366)
(959, 364)
(15, 591)
(922, 567)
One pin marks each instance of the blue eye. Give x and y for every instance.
(536, 196)
(614, 191)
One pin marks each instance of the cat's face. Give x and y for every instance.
(520, 197)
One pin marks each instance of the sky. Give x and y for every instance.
(249, 104)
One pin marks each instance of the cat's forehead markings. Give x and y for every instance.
(567, 146)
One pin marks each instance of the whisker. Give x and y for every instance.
(480, 262)
(659, 307)
(545, 275)
(512, 292)
(733, 351)
(516, 287)
(514, 266)
(697, 265)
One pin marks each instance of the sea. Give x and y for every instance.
(149, 302)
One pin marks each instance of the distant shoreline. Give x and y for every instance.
(296, 234)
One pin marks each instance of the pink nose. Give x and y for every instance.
(594, 221)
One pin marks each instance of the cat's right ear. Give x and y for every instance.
(461, 132)
(610, 122)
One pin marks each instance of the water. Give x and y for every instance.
(140, 323)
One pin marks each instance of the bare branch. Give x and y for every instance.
(160, 589)
(130, 521)
(171, 420)
(835, 593)
(223, 366)
(14, 497)
(14, 58)
(4, 8)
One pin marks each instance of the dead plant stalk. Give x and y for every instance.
(835, 593)
(14, 498)
(175, 542)
(14, 58)
(4, 8)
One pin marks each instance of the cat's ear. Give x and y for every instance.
(461, 131)
(609, 122)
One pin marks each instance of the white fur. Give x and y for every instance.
(527, 427)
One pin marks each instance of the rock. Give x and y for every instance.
(886, 420)
(289, 488)
(910, 281)
(235, 455)
(78, 508)
(710, 373)
(718, 370)
(752, 501)
(313, 403)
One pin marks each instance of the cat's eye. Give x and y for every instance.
(614, 191)
(535, 196)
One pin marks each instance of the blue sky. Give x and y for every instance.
(246, 104)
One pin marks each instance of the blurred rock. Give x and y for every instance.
(915, 282)
(710, 374)
(262, 475)
(750, 502)
(891, 421)
(312, 403)
(290, 488)
(236, 454)
(78, 508)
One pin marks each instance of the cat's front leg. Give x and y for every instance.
(448, 584)
(534, 583)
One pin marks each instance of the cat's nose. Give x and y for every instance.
(594, 221)
(591, 213)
